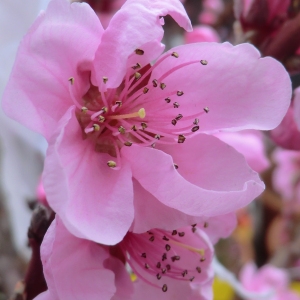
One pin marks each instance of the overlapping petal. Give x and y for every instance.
(74, 268)
(37, 94)
(94, 201)
(202, 189)
(227, 85)
(135, 24)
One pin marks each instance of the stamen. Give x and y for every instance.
(180, 93)
(158, 276)
(137, 66)
(139, 51)
(175, 54)
(111, 164)
(196, 122)
(163, 86)
(145, 90)
(174, 122)
(158, 265)
(144, 255)
(206, 109)
(164, 288)
(168, 247)
(203, 62)
(205, 225)
(71, 79)
(198, 269)
(84, 109)
(101, 119)
(181, 139)
(179, 117)
(96, 127)
(168, 100)
(128, 144)
(137, 75)
(176, 167)
(181, 234)
(155, 83)
(144, 125)
(141, 114)
(121, 129)
(176, 104)
(105, 79)
(195, 128)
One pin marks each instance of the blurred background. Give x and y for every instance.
(264, 250)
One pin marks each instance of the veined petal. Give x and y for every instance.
(220, 183)
(135, 24)
(236, 85)
(76, 265)
(37, 94)
(94, 201)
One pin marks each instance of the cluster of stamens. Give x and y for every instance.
(164, 254)
(126, 115)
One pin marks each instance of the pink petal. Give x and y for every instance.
(220, 182)
(287, 134)
(94, 201)
(297, 107)
(151, 213)
(135, 24)
(250, 143)
(76, 266)
(60, 44)
(237, 86)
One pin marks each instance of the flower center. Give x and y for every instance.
(134, 113)
(158, 254)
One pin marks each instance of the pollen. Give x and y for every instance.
(111, 164)
(139, 51)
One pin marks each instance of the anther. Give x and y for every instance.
(144, 255)
(139, 51)
(206, 109)
(134, 128)
(164, 257)
(152, 238)
(181, 138)
(154, 82)
(175, 54)
(105, 79)
(181, 234)
(174, 122)
(205, 224)
(202, 259)
(158, 276)
(144, 125)
(145, 90)
(111, 164)
(196, 122)
(128, 144)
(176, 166)
(153, 145)
(198, 269)
(101, 119)
(174, 258)
(168, 100)
(179, 93)
(192, 278)
(121, 129)
(164, 288)
(163, 86)
(137, 66)
(176, 104)
(168, 267)
(164, 271)
(104, 109)
(174, 232)
(147, 266)
(195, 128)
(71, 79)
(168, 247)
(179, 117)
(158, 265)
(194, 225)
(137, 75)
(194, 229)
(184, 273)
(96, 127)
(165, 238)
(119, 103)
(84, 109)
(150, 232)
(157, 136)
(203, 62)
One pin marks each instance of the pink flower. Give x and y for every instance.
(296, 106)
(168, 265)
(211, 11)
(287, 134)
(286, 176)
(267, 279)
(202, 33)
(101, 106)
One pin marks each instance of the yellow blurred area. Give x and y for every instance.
(295, 287)
(222, 290)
